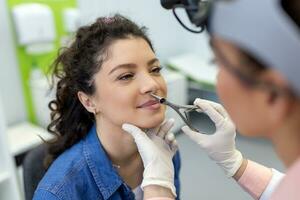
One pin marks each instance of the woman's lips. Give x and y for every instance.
(152, 104)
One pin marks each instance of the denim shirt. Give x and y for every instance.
(85, 172)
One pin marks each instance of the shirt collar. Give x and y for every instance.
(104, 174)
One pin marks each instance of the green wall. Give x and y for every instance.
(26, 61)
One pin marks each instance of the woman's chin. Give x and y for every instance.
(150, 123)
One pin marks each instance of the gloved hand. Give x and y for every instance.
(157, 147)
(219, 146)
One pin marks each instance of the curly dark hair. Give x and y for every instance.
(74, 69)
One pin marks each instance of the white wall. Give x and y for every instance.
(10, 80)
(168, 36)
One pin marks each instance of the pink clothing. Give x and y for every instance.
(255, 179)
(288, 188)
(259, 180)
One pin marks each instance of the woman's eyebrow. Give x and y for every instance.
(132, 65)
(150, 62)
(121, 66)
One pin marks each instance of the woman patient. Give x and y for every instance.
(105, 79)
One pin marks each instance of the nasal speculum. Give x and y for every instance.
(177, 108)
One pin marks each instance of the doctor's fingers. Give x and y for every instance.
(216, 106)
(212, 113)
(136, 133)
(200, 138)
(171, 141)
(165, 128)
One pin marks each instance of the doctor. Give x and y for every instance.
(256, 44)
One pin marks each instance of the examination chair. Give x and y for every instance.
(33, 169)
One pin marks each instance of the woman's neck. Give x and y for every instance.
(118, 144)
(122, 151)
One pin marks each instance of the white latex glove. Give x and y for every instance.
(157, 148)
(219, 146)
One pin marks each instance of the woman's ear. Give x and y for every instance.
(87, 102)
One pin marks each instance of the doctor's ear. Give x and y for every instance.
(277, 99)
(87, 102)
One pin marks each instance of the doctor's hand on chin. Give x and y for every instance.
(157, 147)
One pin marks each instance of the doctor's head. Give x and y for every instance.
(258, 69)
(107, 75)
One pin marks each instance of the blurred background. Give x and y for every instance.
(32, 31)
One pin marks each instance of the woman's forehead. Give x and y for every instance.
(133, 50)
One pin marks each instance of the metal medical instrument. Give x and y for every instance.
(177, 108)
(196, 10)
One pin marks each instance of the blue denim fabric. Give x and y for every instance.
(85, 172)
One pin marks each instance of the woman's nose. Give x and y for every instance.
(148, 84)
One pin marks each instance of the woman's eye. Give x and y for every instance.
(156, 70)
(125, 77)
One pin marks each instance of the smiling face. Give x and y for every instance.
(127, 76)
